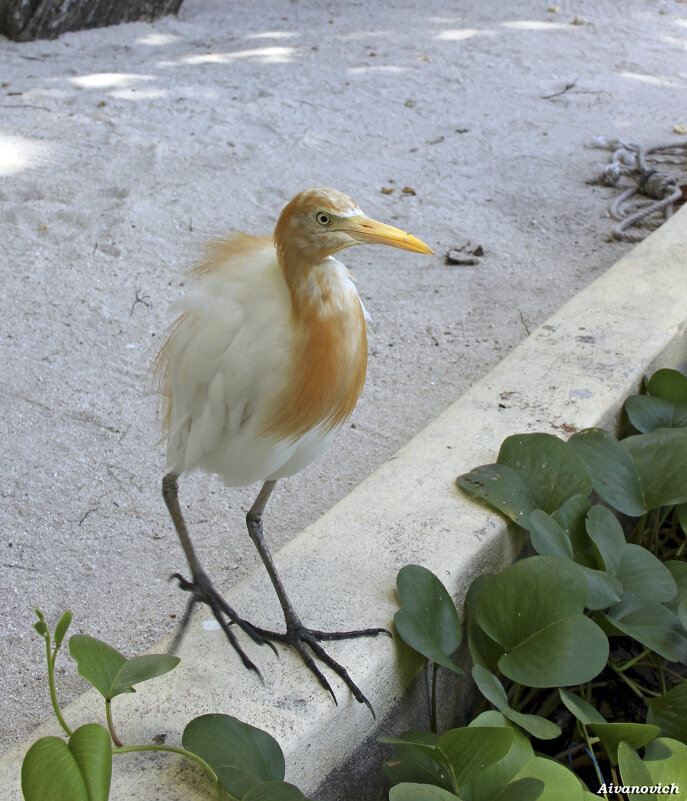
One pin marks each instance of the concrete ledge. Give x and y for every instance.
(573, 372)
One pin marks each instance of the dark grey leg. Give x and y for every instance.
(296, 634)
(200, 586)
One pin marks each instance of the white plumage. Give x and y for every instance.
(265, 362)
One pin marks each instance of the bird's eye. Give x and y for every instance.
(323, 218)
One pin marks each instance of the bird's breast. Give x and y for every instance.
(328, 361)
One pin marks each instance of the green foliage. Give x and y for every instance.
(594, 610)
(427, 620)
(534, 611)
(241, 755)
(79, 770)
(109, 671)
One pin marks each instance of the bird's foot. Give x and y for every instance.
(202, 591)
(304, 641)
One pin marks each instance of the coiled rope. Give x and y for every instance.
(630, 160)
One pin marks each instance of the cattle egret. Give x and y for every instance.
(264, 363)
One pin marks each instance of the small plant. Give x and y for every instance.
(591, 631)
(242, 762)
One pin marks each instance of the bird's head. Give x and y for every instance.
(322, 221)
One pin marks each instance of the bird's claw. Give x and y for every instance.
(202, 591)
(298, 637)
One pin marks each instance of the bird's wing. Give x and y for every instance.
(221, 361)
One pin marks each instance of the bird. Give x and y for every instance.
(265, 361)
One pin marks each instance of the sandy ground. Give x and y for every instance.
(122, 149)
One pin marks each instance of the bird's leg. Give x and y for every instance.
(200, 586)
(297, 635)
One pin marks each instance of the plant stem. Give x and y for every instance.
(590, 748)
(110, 724)
(633, 661)
(433, 712)
(127, 749)
(53, 691)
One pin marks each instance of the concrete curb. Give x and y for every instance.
(573, 372)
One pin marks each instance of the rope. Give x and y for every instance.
(631, 160)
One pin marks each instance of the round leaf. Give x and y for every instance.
(641, 573)
(49, 770)
(274, 791)
(582, 710)
(473, 749)
(605, 531)
(551, 470)
(547, 537)
(533, 609)
(613, 472)
(652, 624)
(660, 459)
(666, 761)
(78, 771)
(634, 734)
(648, 413)
(241, 755)
(92, 750)
(632, 769)
(669, 712)
(670, 384)
(420, 792)
(502, 488)
(544, 780)
(428, 620)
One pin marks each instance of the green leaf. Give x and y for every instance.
(61, 628)
(492, 689)
(49, 771)
(143, 668)
(641, 573)
(544, 780)
(41, 627)
(651, 624)
(500, 487)
(605, 531)
(603, 590)
(78, 771)
(632, 770)
(580, 708)
(669, 384)
(634, 734)
(669, 712)
(613, 472)
(483, 650)
(414, 765)
(551, 470)
(678, 570)
(487, 784)
(681, 511)
(534, 610)
(92, 750)
(274, 791)
(666, 761)
(648, 413)
(472, 749)
(428, 620)
(420, 792)
(241, 755)
(97, 661)
(547, 537)
(660, 459)
(109, 671)
(571, 517)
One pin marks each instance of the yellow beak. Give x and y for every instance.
(364, 229)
